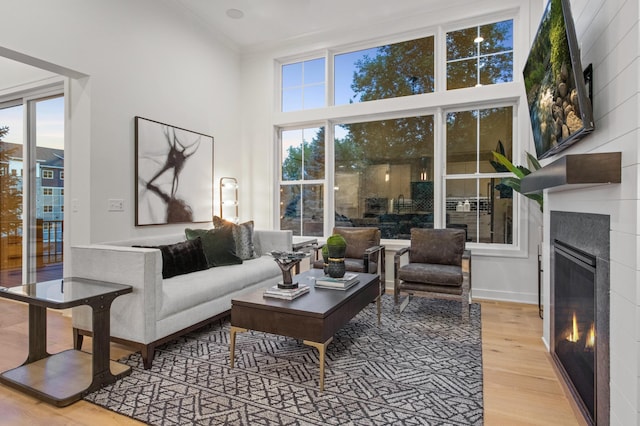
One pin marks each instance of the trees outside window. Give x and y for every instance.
(480, 55)
(10, 192)
(389, 71)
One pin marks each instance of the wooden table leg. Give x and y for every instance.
(37, 334)
(321, 347)
(232, 349)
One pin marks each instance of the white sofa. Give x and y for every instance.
(159, 310)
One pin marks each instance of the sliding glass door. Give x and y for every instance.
(31, 189)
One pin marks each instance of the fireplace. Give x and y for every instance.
(580, 309)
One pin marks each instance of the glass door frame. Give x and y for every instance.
(29, 99)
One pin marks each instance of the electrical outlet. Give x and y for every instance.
(116, 205)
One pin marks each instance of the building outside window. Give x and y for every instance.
(47, 174)
(401, 169)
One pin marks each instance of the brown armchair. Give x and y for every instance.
(364, 252)
(438, 266)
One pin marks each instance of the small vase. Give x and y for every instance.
(336, 268)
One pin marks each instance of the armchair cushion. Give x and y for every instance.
(439, 246)
(445, 275)
(358, 240)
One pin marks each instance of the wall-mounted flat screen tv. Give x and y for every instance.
(559, 104)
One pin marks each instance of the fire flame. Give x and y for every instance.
(591, 337)
(573, 334)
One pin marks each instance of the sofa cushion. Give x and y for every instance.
(183, 292)
(218, 245)
(242, 236)
(181, 258)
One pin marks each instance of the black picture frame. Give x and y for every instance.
(174, 174)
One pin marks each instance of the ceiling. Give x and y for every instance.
(273, 21)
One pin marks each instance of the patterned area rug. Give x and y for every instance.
(421, 367)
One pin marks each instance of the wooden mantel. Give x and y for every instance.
(576, 169)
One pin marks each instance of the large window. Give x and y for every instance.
(377, 164)
(302, 181)
(35, 153)
(475, 198)
(390, 71)
(383, 175)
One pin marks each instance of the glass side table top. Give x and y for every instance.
(63, 293)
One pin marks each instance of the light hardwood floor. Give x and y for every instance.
(520, 385)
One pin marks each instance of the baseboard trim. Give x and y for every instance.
(505, 296)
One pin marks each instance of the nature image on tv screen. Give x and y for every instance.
(550, 84)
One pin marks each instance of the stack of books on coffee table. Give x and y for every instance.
(344, 283)
(286, 293)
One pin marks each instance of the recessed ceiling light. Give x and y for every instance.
(235, 13)
(478, 39)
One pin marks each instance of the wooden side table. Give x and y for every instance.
(63, 378)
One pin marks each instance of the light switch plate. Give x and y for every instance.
(116, 205)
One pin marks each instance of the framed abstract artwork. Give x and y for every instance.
(174, 174)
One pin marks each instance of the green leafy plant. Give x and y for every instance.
(501, 164)
(337, 246)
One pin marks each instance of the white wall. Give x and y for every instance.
(511, 276)
(140, 58)
(16, 74)
(609, 37)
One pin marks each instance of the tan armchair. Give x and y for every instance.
(364, 252)
(438, 266)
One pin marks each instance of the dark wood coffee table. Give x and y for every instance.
(313, 317)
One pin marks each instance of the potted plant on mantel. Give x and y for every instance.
(336, 249)
(502, 164)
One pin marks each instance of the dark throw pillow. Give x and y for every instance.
(181, 258)
(242, 235)
(218, 245)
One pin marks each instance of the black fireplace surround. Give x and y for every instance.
(580, 309)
